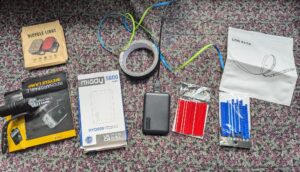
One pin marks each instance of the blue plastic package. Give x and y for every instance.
(234, 120)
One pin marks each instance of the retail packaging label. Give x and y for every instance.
(51, 121)
(44, 45)
(102, 124)
(235, 123)
(192, 109)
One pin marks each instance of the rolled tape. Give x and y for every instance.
(139, 44)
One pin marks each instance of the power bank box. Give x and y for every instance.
(101, 114)
(44, 45)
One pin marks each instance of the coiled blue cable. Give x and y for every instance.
(130, 29)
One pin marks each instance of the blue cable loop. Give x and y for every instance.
(100, 26)
(220, 57)
(165, 63)
(162, 4)
(99, 36)
(162, 57)
(127, 27)
(125, 24)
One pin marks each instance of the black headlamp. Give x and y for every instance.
(16, 109)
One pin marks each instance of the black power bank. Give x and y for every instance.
(156, 114)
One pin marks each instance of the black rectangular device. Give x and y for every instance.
(156, 115)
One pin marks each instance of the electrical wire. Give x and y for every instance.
(159, 46)
(135, 25)
(157, 81)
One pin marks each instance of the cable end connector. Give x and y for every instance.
(157, 85)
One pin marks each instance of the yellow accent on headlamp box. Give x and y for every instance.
(24, 144)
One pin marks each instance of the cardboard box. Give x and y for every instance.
(102, 124)
(44, 45)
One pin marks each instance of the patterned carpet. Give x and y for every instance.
(189, 25)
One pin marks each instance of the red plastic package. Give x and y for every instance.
(192, 108)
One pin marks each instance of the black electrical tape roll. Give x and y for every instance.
(139, 44)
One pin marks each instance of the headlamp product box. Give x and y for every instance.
(44, 45)
(101, 114)
(52, 121)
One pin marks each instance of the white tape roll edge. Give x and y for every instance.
(139, 44)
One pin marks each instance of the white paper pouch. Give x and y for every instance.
(259, 65)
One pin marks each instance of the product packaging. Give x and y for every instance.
(102, 124)
(52, 121)
(44, 45)
(235, 124)
(192, 108)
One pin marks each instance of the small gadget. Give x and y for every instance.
(16, 109)
(156, 114)
(35, 47)
(50, 44)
